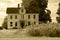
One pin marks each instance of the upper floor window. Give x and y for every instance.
(10, 16)
(15, 16)
(28, 16)
(34, 16)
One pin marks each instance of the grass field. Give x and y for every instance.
(20, 34)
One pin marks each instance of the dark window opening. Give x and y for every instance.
(16, 24)
(11, 22)
(28, 16)
(15, 16)
(22, 23)
(21, 10)
(11, 17)
(11, 25)
(34, 22)
(34, 16)
(28, 23)
(23, 16)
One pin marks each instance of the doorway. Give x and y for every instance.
(22, 23)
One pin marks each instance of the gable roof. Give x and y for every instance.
(12, 10)
(16, 11)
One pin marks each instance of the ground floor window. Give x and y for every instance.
(11, 24)
(15, 23)
(29, 23)
(34, 22)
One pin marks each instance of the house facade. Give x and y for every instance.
(17, 17)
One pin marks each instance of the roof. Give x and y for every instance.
(16, 11)
(12, 10)
(32, 13)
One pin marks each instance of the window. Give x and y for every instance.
(34, 22)
(34, 16)
(22, 16)
(11, 23)
(28, 16)
(11, 17)
(15, 23)
(21, 10)
(15, 16)
(29, 23)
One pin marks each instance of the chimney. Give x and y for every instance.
(18, 5)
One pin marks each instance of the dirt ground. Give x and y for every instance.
(31, 38)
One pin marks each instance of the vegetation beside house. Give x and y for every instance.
(48, 30)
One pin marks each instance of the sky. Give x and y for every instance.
(52, 5)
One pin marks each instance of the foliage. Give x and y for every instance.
(49, 30)
(38, 6)
(58, 19)
(44, 17)
(58, 13)
(4, 25)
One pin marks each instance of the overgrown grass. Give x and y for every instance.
(49, 30)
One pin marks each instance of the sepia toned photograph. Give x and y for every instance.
(29, 19)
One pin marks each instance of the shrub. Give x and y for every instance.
(34, 32)
(50, 30)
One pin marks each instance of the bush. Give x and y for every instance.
(51, 30)
(58, 32)
(34, 32)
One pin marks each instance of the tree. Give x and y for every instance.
(45, 16)
(39, 6)
(4, 25)
(58, 13)
(48, 17)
